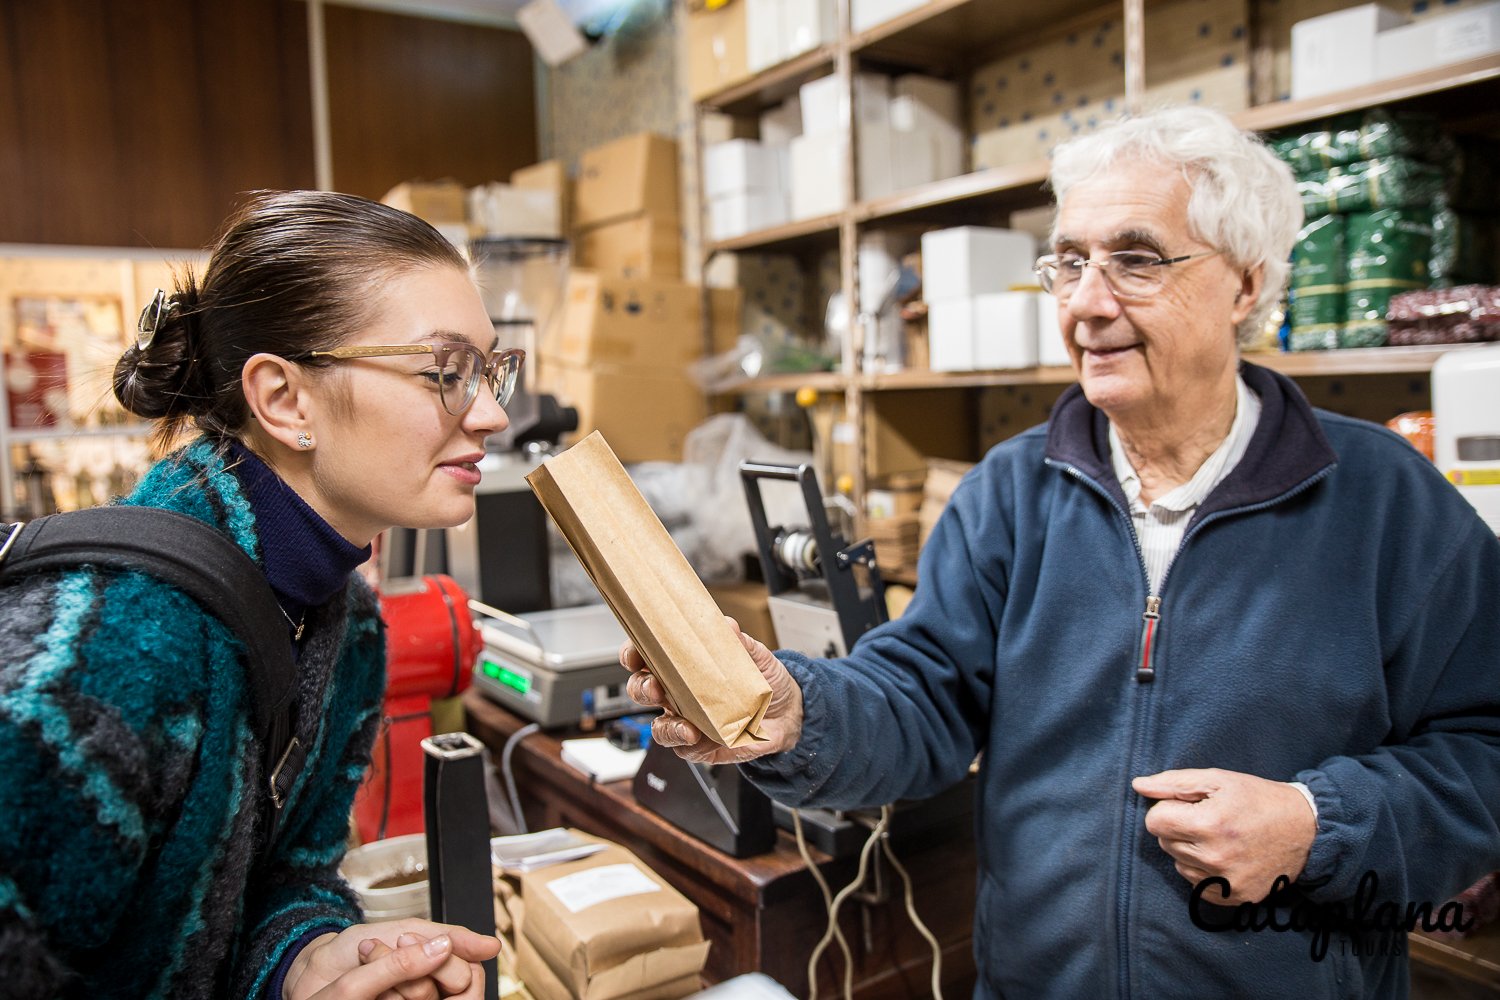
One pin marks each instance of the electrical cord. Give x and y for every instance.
(911, 911)
(510, 778)
(833, 911)
(817, 874)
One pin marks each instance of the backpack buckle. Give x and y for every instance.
(278, 792)
(15, 532)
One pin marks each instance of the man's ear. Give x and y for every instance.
(277, 393)
(1248, 294)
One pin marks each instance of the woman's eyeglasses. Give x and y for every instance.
(1131, 274)
(458, 367)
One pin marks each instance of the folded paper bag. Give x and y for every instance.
(665, 609)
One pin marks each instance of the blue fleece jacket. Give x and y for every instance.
(1333, 616)
(130, 776)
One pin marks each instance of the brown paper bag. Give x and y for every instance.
(606, 926)
(665, 609)
(542, 981)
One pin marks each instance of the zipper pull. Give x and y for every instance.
(1150, 619)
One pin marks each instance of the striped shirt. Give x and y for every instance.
(1159, 528)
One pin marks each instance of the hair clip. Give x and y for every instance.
(157, 310)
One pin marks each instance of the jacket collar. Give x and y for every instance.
(1288, 448)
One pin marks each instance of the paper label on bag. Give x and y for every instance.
(583, 889)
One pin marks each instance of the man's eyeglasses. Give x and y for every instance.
(1131, 274)
(457, 369)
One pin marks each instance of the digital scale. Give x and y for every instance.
(557, 668)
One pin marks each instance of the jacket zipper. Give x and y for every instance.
(1145, 671)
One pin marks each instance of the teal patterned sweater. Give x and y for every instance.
(130, 775)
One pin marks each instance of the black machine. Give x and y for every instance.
(714, 804)
(456, 811)
(818, 605)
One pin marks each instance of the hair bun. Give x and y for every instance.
(157, 376)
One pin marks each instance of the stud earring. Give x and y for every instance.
(304, 440)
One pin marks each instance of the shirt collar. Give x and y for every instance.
(1214, 468)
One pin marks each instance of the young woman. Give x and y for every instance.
(341, 374)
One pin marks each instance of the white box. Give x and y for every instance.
(806, 24)
(740, 165)
(868, 13)
(742, 212)
(975, 260)
(781, 124)
(1005, 330)
(950, 335)
(1336, 51)
(876, 166)
(939, 97)
(1435, 41)
(505, 210)
(763, 34)
(820, 102)
(1051, 349)
(817, 174)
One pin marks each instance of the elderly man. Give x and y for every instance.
(1231, 664)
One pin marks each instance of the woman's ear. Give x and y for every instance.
(276, 391)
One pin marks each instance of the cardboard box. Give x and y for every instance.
(817, 174)
(549, 175)
(1438, 40)
(1005, 330)
(629, 321)
(1337, 51)
(763, 34)
(636, 175)
(647, 413)
(717, 49)
(741, 165)
(437, 202)
(645, 246)
(749, 605)
(607, 927)
(653, 591)
(1051, 349)
(820, 102)
(503, 210)
(975, 260)
(806, 24)
(732, 215)
(907, 429)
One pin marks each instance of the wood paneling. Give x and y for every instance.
(137, 122)
(416, 98)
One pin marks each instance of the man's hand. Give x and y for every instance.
(434, 960)
(781, 725)
(1245, 829)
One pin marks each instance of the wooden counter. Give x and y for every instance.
(763, 913)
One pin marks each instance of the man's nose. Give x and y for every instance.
(1092, 295)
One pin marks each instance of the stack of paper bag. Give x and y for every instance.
(649, 585)
(606, 927)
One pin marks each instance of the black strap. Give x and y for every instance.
(202, 563)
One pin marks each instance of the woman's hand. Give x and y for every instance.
(406, 959)
(781, 726)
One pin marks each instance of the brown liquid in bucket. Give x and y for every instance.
(418, 874)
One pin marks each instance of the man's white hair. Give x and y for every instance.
(1244, 201)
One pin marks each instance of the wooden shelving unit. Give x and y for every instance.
(951, 37)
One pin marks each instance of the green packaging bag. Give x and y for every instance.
(1388, 253)
(1319, 259)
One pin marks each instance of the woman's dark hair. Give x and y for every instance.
(290, 272)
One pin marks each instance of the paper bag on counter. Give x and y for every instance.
(543, 984)
(649, 585)
(607, 927)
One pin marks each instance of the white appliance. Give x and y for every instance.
(1466, 426)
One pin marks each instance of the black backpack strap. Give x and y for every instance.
(198, 560)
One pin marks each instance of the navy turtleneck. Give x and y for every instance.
(305, 560)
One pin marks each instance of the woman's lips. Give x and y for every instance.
(464, 472)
